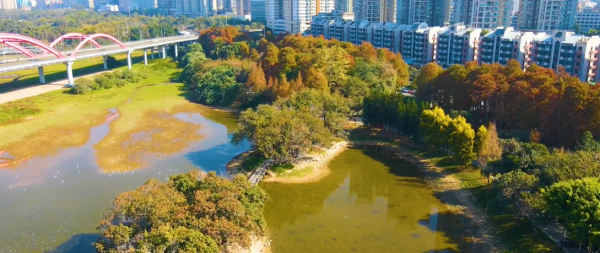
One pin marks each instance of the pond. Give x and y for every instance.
(54, 203)
(368, 203)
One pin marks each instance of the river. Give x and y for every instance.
(368, 203)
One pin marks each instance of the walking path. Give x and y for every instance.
(38, 89)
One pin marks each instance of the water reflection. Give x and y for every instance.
(368, 203)
(54, 203)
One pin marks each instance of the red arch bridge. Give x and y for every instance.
(50, 56)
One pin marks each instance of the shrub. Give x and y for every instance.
(164, 64)
(82, 86)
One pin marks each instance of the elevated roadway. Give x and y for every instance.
(149, 44)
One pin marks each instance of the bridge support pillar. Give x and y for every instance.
(176, 53)
(41, 73)
(145, 56)
(164, 52)
(69, 71)
(105, 61)
(129, 60)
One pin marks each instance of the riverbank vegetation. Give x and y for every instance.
(193, 212)
(106, 81)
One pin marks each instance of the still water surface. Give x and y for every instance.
(369, 203)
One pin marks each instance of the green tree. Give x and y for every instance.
(218, 86)
(587, 143)
(462, 140)
(333, 62)
(436, 127)
(575, 205)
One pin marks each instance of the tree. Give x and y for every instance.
(316, 80)
(254, 55)
(218, 86)
(270, 60)
(575, 205)
(256, 80)
(587, 143)
(462, 140)
(281, 134)
(516, 190)
(480, 143)
(193, 212)
(333, 63)
(436, 127)
(425, 80)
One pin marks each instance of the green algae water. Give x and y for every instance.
(368, 203)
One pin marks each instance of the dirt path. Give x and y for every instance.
(39, 89)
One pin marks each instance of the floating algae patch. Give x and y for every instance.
(156, 134)
(50, 140)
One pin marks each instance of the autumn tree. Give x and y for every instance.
(270, 60)
(316, 80)
(256, 80)
(193, 212)
(425, 80)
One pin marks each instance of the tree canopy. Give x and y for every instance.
(193, 212)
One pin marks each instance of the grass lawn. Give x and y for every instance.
(515, 233)
(23, 78)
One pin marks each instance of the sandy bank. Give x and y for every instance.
(261, 245)
(317, 163)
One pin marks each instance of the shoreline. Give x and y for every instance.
(317, 162)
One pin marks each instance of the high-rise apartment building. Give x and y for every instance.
(8, 4)
(293, 16)
(547, 15)
(375, 10)
(240, 7)
(325, 6)
(432, 12)
(420, 44)
(258, 10)
(482, 13)
(344, 5)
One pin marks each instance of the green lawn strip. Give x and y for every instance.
(14, 80)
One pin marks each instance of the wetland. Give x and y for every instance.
(64, 166)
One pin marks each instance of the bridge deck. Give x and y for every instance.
(92, 53)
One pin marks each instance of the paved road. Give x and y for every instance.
(38, 89)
